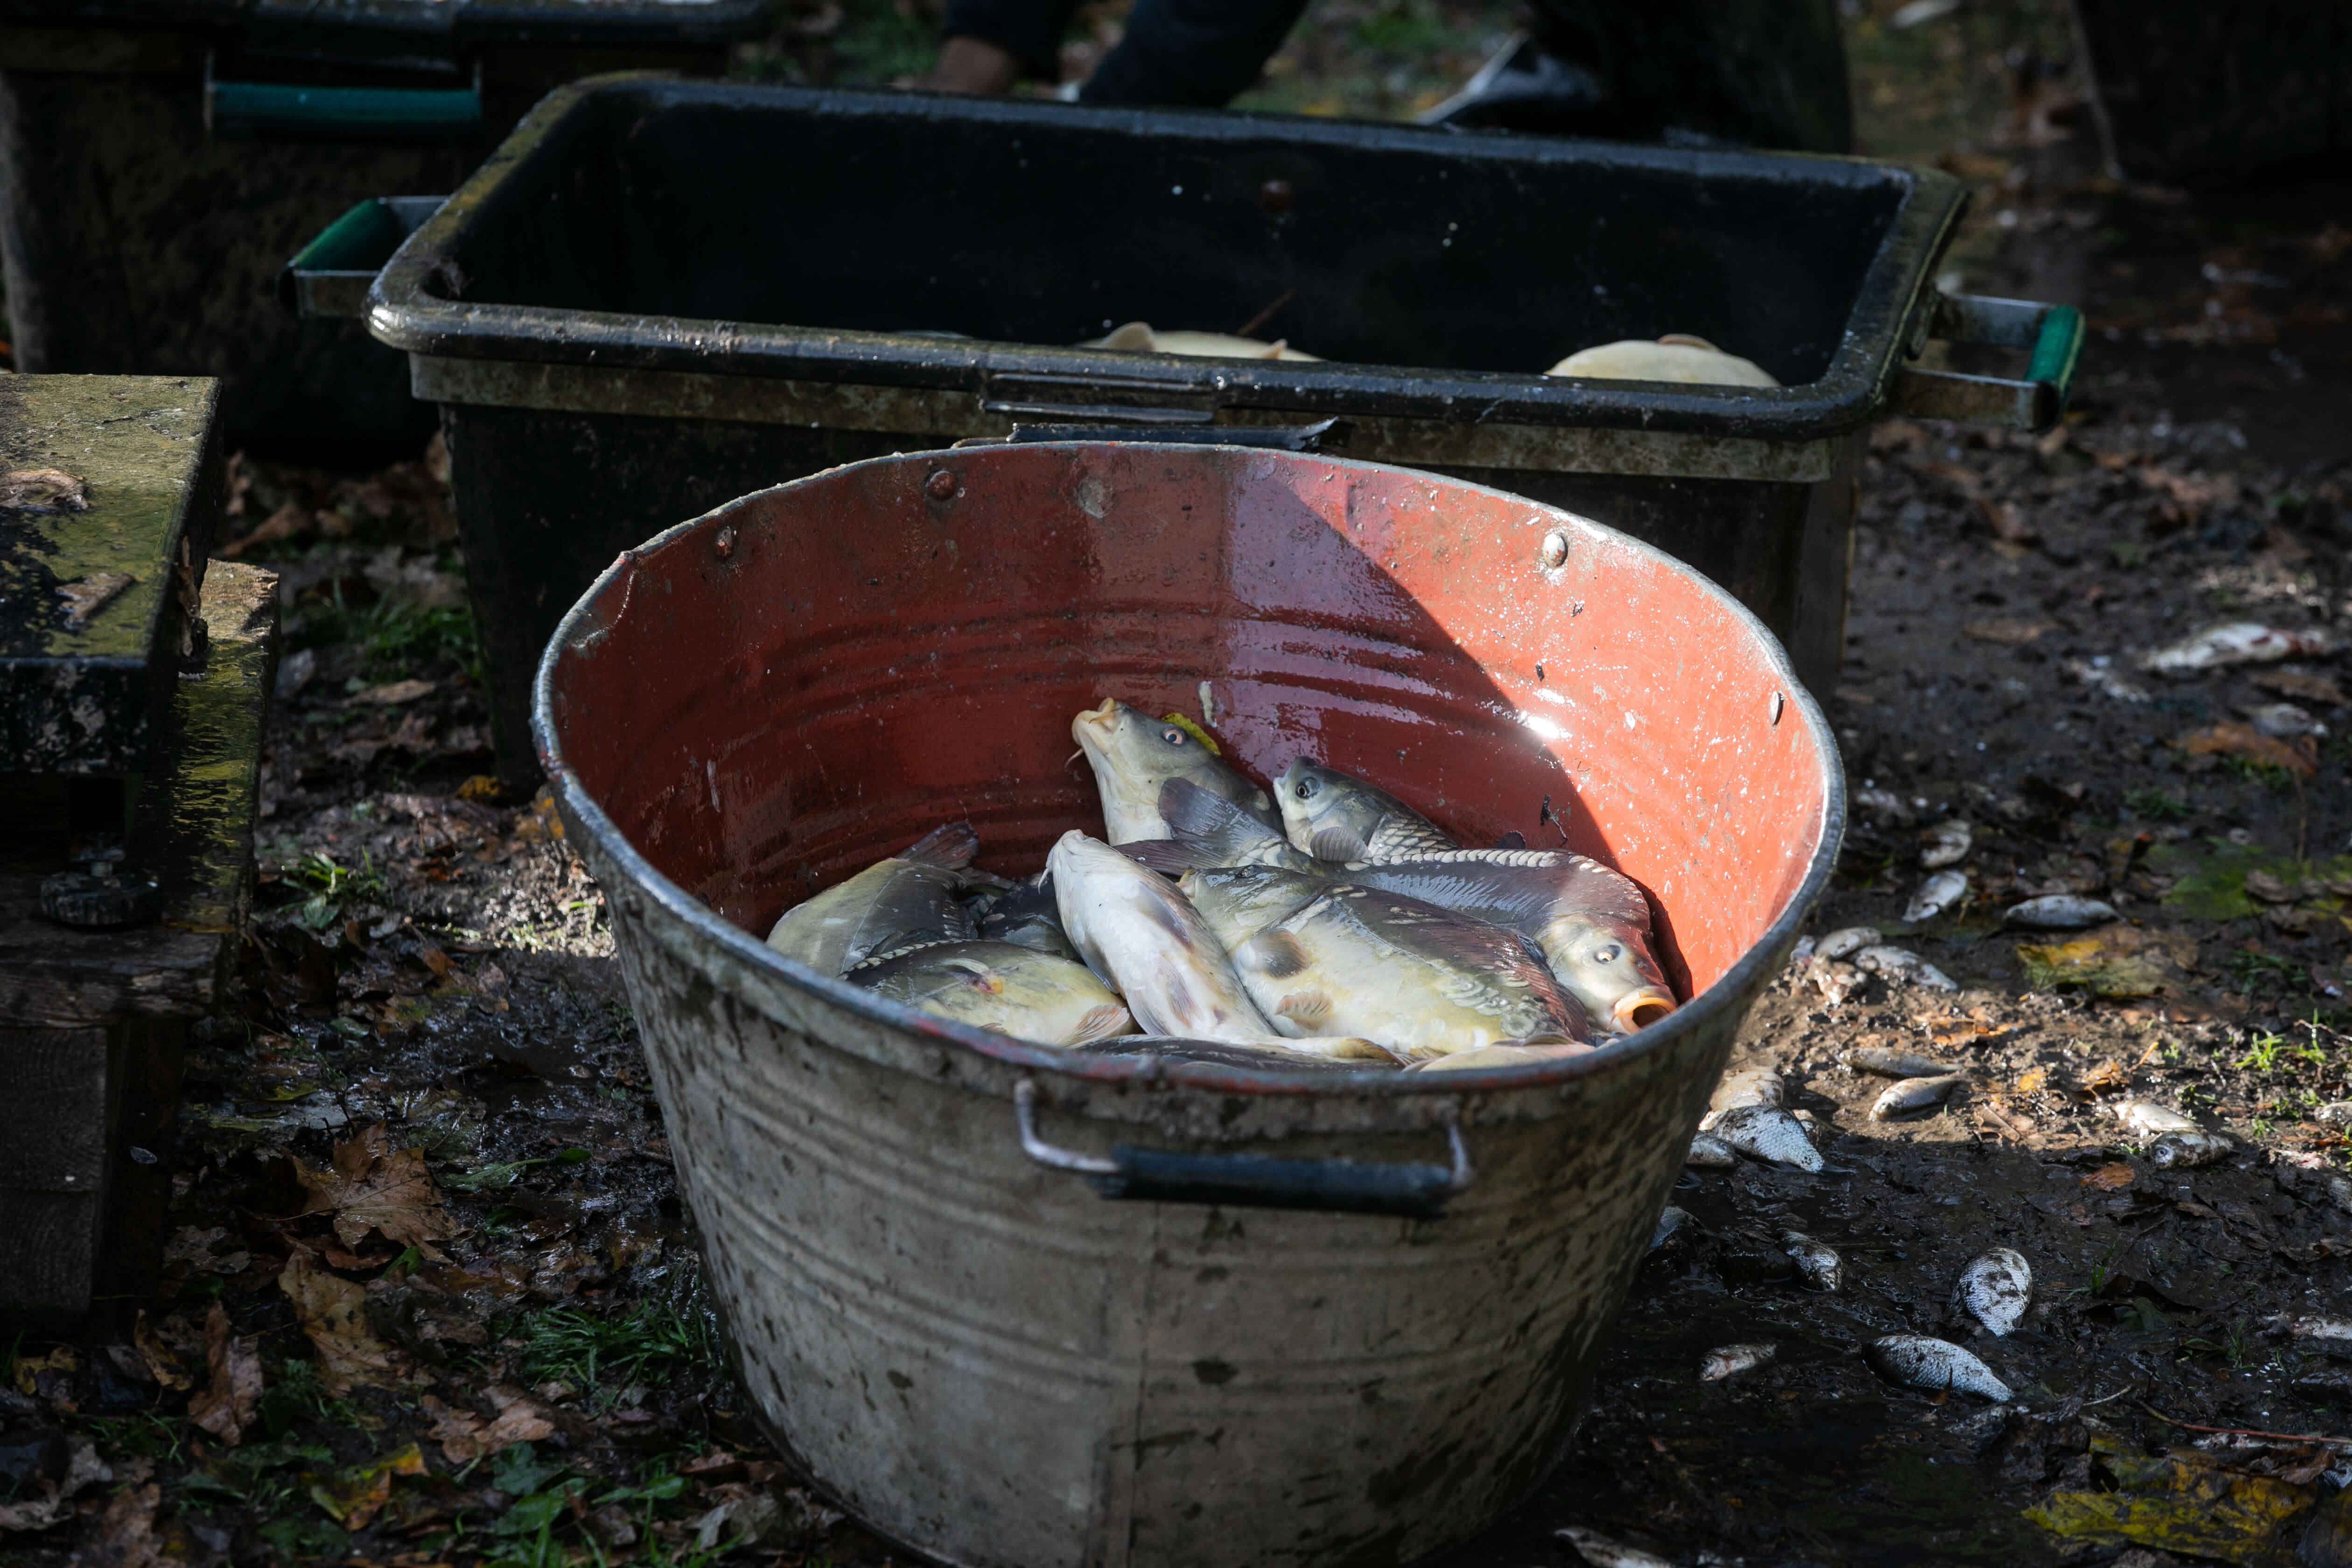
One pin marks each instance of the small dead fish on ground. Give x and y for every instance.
(1602, 1553)
(1708, 1153)
(1141, 337)
(1421, 979)
(1817, 1264)
(999, 986)
(2183, 1149)
(2329, 1337)
(1904, 966)
(1915, 1361)
(1946, 843)
(1836, 982)
(2235, 642)
(2148, 1119)
(1912, 1094)
(1753, 1086)
(1132, 754)
(1892, 1063)
(2283, 721)
(1846, 940)
(907, 901)
(2060, 911)
(1335, 816)
(1768, 1133)
(1670, 1220)
(2334, 1113)
(1995, 1288)
(1730, 1361)
(1938, 895)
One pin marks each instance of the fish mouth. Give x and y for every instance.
(1639, 1009)
(1101, 718)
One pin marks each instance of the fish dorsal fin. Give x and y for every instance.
(1135, 338)
(1273, 953)
(1335, 844)
(953, 844)
(1514, 839)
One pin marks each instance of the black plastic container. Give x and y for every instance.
(592, 313)
(161, 159)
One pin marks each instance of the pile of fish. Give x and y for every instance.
(1326, 925)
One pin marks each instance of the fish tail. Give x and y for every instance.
(950, 846)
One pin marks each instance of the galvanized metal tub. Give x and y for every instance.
(979, 1352)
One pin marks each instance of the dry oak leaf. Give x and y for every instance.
(225, 1406)
(162, 1364)
(333, 1311)
(2111, 1178)
(125, 1536)
(356, 1494)
(2231, 739)
(465, 1436)
(370, 1187)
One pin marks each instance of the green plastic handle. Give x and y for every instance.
(2056, 350)
(280, 111)
(362, 240)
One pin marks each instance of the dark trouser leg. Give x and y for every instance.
(1761, 73)
(1192, 52)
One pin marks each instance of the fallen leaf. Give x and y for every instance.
(2271, 890)
(2008, 524)
(28, 1368)
(481, 786)
(2015, 631)
(2106, 1075)
(466, 1436)
(2321, 689)
(2199, 1510)
(42, 489)
(2033, 1080)
(356, 1494)
(2111, 1178)
(161, 1364)
(83, 1468)
(2120, 962)
(2233, 738)
(333, 1311)
(125, 1536)
(395, 694)
(369, 1188)
(195, 1247)
(225, 1406)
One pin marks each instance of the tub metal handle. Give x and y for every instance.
(1255, 1181)
(2054, 334)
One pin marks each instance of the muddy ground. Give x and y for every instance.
(494, 1348)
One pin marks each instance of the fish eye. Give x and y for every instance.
(1172, 735)
(1304, 789)
(1608, 955)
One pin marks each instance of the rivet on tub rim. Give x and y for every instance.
(1776, 707)
(1554, 552)
(941, 486)
(725, 542)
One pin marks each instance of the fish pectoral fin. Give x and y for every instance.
(1274, 954)
(1104, 1023)
(1306, 1008)
(1202, 817)
(1336, 844)
(951, 845)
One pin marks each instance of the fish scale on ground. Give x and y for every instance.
(1323, 921)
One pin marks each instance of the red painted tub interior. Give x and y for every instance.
(815, 675)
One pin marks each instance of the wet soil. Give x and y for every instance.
(525, 1306)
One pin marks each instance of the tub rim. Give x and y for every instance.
(1734, 989)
